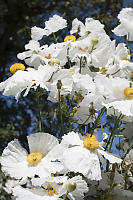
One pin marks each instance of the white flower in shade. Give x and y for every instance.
(126, 23)
(120, 194)
(52, 188)
(76, 186)
(17, 163)
(82, 155)
(129, 157)
(54, 24)
(128, 131)
(66, 79)
(10, 184)
(87, 109)
(35, 193)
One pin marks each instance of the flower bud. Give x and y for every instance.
(54, 61)
(59, 84)
(94, 41)
(75, 109)
(62, 98)
(70, 187)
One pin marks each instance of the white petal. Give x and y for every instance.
(42, 142)
(109, 156)
(79, 159)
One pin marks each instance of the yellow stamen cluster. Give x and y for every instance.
(50, 190)
(90, 142)
(17, 66)
(48, 57)
(128, 92)
(34, 158)
(70, 37)
(125, 59)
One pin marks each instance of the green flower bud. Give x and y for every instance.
(54, 61)
(70, 187)
(57, 61)
(94, 41)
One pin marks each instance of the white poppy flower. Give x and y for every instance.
(82, 155)
(86, 111)
(126, 23)
(66, 79)
(76, 186)
(17, 163)
(35, 193)
(24, 80)
(90, 26)
(52, 188)
(83, 83)
(117, 93)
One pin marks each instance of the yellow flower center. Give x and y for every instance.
(90, 142)
(70, 37)
(48, 57)
(17, 66)
(128, 92)
(34, 158)
(50, 189)
(125, 59)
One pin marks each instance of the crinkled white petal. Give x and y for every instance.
(79, 159)
(81, 188)
(123, 107)
(37, 33)
(72, 138)
(54, 24)
(42, 142)
(13, 159)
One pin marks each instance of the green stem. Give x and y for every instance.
(99, 116)
(115, 72)
(39, 113)
(60, 112)
(101, 124)
(131, 146)
(80, 65)
(65, 197)
(55, 38)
